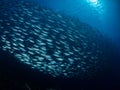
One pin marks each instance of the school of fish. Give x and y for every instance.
(53, 43)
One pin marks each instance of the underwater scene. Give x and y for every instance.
(59, 45)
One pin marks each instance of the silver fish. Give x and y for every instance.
(49, 42)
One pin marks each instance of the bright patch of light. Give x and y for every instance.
(94, 2)
(97, 5)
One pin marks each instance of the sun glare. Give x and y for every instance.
(93, 1)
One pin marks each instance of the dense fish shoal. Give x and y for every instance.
(50, 42)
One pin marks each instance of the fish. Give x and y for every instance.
(48, 41)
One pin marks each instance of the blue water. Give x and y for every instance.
(101, 14)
